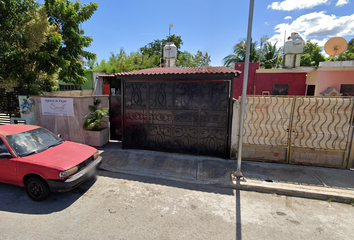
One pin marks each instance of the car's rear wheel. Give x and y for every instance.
(37, 189)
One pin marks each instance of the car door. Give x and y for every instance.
(8, 164)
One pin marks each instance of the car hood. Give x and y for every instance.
(62, 157)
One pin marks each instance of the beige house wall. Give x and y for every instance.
(70, 127)
(312, 79)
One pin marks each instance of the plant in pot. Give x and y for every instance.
(97, 133)
(94, 119)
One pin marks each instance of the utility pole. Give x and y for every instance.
(238, 174)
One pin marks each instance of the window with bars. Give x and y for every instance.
(69, 87)
(347, 89)
(280, 89)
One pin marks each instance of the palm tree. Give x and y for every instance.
(271, 56)
(239, 53)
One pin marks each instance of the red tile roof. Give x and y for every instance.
(180, 70)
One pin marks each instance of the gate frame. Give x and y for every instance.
(181, 77)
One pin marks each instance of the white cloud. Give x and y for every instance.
(288, 17)
(315, 25)
(266, 23)
(320, 43)
(342, 3)
(289, 5)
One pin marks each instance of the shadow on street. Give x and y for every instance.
(169, 183)
(14, 199)
(238, 212)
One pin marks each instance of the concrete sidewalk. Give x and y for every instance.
(293, 180)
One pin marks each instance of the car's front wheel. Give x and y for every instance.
(37, 189)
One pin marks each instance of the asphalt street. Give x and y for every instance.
(122, 206)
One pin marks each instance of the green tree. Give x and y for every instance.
(239, 53)
(28, 50)
(156, 47)
(122, 62)
(348, 54)
(91, 64)
(201, 59)
(67, 17)
(186, 59)
(103, 67)
(37, 42)
(312, 55)
(14, 14)
(270, 55)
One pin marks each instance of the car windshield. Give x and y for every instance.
(33, 141)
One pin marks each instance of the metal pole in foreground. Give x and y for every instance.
(238, 174)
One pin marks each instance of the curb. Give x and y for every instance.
(311, 192)
(293, 190)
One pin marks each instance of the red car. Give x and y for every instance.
(35, 158)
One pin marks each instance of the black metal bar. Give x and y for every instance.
(230, 114)
(123, 112)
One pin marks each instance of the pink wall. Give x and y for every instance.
(264, 81)
(333, 79)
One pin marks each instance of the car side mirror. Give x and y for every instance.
(5, 155)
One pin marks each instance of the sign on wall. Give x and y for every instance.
(26, 109)
(58, 106)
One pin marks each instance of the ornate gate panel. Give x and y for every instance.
(174, 116)
(300, 130)
(321, 131)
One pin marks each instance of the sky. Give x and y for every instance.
(213, 26)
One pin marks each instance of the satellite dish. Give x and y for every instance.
(335, 46)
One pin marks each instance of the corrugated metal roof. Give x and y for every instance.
(180, 70)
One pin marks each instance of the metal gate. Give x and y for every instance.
(302, 130)
(9, 105)
(115, 115)
(177, 116)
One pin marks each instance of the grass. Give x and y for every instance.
(351, 201)
(330, 199)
